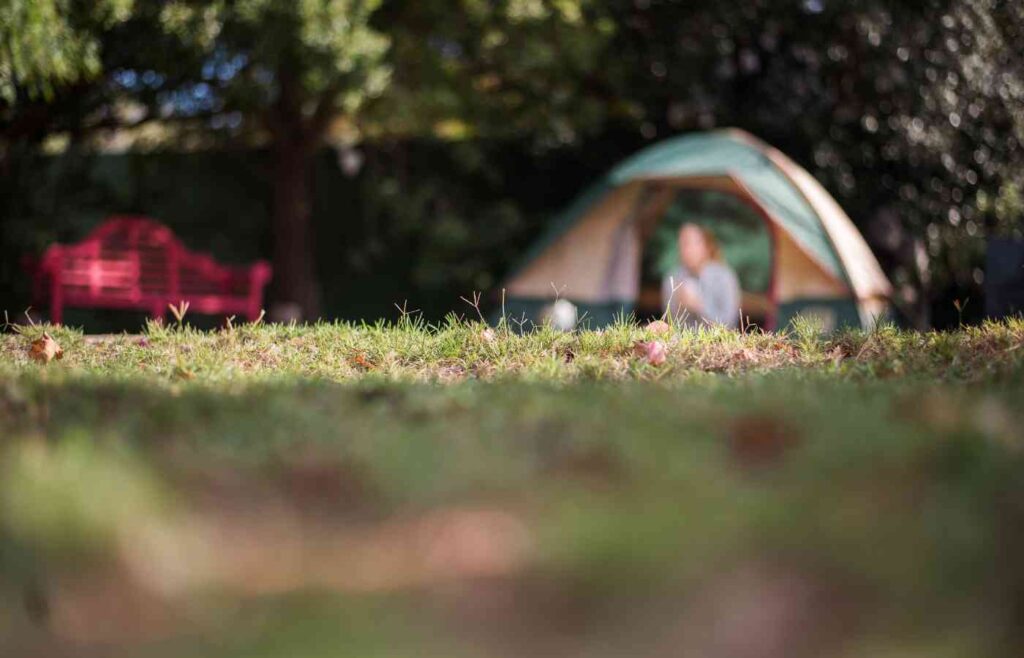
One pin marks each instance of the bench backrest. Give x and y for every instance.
(136, 258)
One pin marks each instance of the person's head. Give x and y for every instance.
(697, 247)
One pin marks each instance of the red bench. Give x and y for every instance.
(137, 263)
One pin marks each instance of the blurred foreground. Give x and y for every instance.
(173, 495)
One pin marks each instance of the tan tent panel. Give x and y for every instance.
(866, 277)
(796, 273)
(604, 270)
(609, 268)
(796, 276)
(818, 260)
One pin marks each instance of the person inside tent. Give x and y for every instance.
(702, 288)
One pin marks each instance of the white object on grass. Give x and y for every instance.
(562, 315)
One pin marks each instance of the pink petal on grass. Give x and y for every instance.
(658, 327)
(654, 351)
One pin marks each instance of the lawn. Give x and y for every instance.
(407, 490)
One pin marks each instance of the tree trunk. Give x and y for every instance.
(294, 289)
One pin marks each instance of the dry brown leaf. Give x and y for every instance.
(361, 361)
(45, 349)
(450, 373)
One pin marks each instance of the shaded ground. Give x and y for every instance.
(313, 491)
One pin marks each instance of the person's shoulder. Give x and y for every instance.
(718, 270)
(678, 273)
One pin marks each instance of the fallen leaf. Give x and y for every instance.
(361, 361)
(654, 351)
(488, 335)
(450, 373)
(46, 349)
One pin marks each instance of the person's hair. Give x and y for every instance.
(714, 248)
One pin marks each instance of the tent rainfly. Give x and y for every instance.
(764, 208)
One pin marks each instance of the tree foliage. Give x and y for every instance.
(907, 111)
(278, 71)
(911, 112)
(48, 43)
(252, 49)
(517, 68)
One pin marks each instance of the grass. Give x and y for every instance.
(407, 490)
(457, 351)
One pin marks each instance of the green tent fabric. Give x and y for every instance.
(708, 154)
(791, 245)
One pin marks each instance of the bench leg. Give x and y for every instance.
(56, 304)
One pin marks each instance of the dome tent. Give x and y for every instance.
(811, 259)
